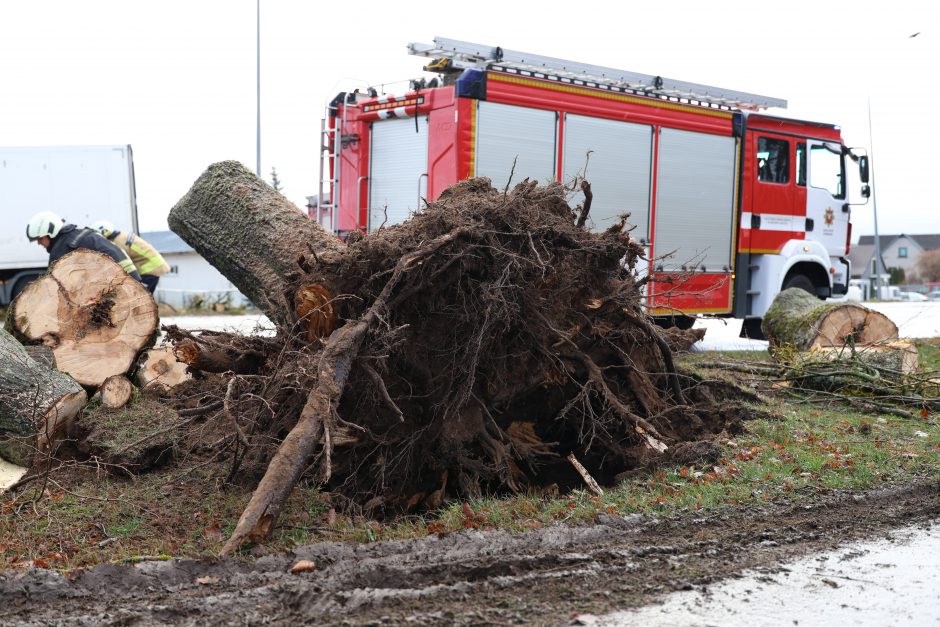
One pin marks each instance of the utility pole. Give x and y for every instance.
(874, 206)
(258, 82)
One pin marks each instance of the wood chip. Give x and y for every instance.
(303, 566)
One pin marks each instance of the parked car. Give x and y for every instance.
(913, 296)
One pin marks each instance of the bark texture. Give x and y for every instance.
(800, 321)
(254, 236)
(93, 315)
(36, 402)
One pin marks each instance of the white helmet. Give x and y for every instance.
(44, 223)
(103, 226)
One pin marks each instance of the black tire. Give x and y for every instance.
(679, 322)
(801, 281)
(684, 322)
(664, 322)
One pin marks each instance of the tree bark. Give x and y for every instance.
(94, 316)
(36, 403)
(800, 321)
(255, 237)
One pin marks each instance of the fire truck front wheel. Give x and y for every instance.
(801, 281)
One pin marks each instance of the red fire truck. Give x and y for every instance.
(732, 204)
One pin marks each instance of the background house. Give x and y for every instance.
(897, 251)
(191, 281)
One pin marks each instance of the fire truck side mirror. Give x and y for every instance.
(866, 191)
(863, 170)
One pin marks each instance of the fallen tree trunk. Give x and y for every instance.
(94, 316)
(799, 321)
(36, 402)
(257, 239)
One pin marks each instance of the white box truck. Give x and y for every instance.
(80, 183)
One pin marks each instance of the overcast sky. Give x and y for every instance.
(176, 80)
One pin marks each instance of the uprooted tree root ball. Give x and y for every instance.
(476, 347)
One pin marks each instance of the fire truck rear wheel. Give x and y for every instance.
(801, 281)
(680, 322)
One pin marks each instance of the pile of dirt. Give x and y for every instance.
(501, 338)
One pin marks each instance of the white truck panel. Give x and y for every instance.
(82, 184)
(516, 140)
(621, 155)
(695, 201)
(398, 174)
(769, 271)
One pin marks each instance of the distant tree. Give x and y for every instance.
(928, 265)
(275, 182)
(896, 276)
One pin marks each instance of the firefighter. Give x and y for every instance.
(58, 238)
(150, 264)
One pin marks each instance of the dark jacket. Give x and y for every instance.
(71, 237)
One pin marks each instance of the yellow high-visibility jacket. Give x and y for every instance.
(144, 255)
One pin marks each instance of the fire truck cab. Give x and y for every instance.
(733, 205)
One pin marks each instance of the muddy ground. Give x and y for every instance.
(549, 576)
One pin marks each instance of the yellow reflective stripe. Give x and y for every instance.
(128, 266)
(152, 264)
(151, 259)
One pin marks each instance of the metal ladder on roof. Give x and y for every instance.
(453, 55)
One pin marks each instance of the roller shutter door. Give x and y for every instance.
(694, 201)
(618, 169)
(507, 134)
(398, 174)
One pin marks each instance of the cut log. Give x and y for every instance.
(893, 359)
(36, 403)
(159, 368)
(94, 316)
(800, 321)
(210, 359)
(115, 392)
(256, 238)
(42, 354)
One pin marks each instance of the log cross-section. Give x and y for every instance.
(92, 314)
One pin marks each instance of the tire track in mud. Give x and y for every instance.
(472, 577)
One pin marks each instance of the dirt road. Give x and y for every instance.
(544, 577)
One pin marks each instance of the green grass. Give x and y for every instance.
(90, 516)
(928, 354)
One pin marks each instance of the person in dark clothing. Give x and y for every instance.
(58, 238)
